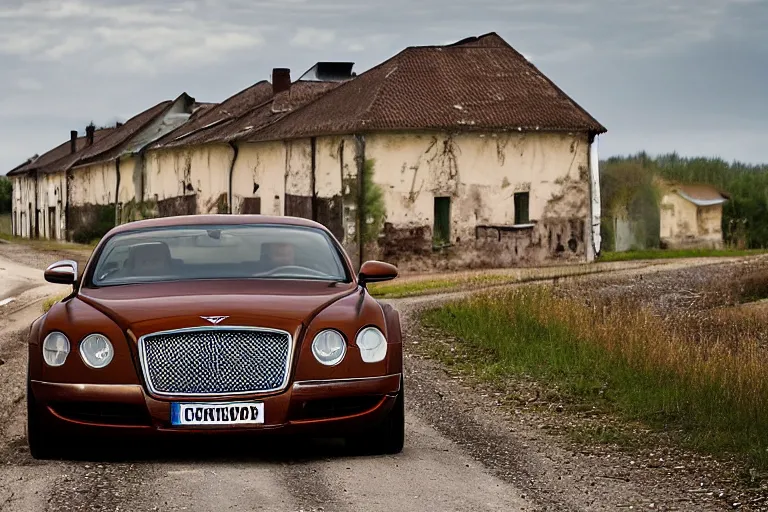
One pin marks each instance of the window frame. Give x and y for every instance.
(518, 221)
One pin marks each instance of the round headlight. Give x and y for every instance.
(373, 345)
(96, 350)
(55, 349)
(329, 347)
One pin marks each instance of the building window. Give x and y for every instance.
(521, 208)
(442, 220)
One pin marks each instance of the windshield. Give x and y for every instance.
(218, 252)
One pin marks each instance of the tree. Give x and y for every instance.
(6, 194)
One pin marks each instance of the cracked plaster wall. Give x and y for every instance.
(481, 173)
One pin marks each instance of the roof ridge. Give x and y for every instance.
(558, 89)
(169, 137)
(333, 91)
(380, 87)
(230, 120)
(90, 158)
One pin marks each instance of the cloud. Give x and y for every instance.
(29, 84)
(128, 62)
(312, 37)
(70, 45)
(18, 44)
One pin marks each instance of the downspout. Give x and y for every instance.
(67, 216)
(593, 160)
(142, 183)
(361, 214)
(37, 206)
(313, 176)
(231, 174)
(117, 191)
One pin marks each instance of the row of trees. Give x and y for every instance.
(627, 185)
(6, 191)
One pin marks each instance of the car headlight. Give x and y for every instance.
(96, 350)
(373, 345)
(55, 349)
(329, 347)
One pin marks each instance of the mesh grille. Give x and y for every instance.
(216, 361)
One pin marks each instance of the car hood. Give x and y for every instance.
(281, 304)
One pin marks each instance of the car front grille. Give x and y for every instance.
(209, 361)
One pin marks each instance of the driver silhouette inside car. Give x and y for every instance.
(148, 259)
(277, 254)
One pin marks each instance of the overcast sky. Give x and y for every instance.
(661, 75)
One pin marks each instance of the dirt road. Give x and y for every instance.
(460, 454)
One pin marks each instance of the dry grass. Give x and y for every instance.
(476, 280)
(50, 245)
(50, 301)
(705, 382)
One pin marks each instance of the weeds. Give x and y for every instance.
(707, 385)
(50, 301)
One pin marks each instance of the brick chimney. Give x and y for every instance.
(73, 141)
(89, 134)
(281, 80)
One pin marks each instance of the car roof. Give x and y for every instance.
(219, 219)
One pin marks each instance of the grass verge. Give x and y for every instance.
(653, 254)
(5, 224)
(711, 395)
(416, 287)
(50, 301)
(49, 245)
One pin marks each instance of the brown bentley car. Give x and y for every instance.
(217, 324)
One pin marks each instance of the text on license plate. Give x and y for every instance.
(232, 413)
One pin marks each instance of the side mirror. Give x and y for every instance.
(62, 272)
(376, 271)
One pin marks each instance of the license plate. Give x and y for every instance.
(232, 413)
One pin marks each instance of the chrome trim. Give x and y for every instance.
(215, 320)
(53, 267)
(153, 391)
(321, 382)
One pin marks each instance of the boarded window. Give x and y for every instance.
(521, 208)
(298, 206)
(442, 219)
(251, 205)
(52, 222)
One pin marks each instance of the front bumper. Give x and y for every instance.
(315, 407)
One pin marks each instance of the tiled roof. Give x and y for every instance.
(108, 147)
(268, 112)
(476, 84)
(60, 157)
(702, 195)
(215, 115)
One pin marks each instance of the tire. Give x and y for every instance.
(388, 437)
(38, 437)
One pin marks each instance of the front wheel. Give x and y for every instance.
(389, 436)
